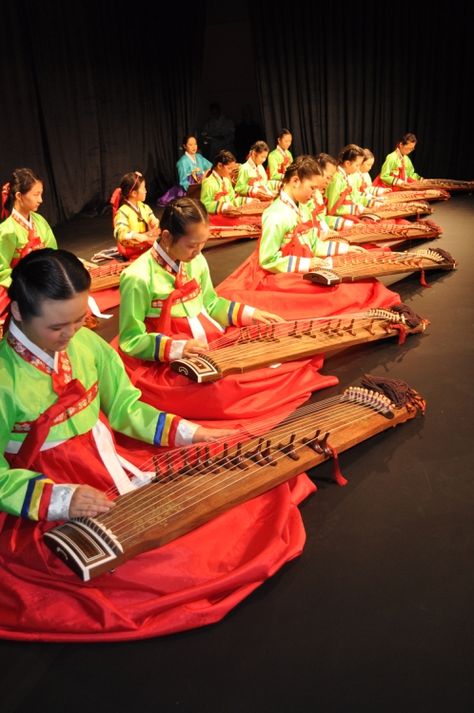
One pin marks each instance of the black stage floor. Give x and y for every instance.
(377, 614)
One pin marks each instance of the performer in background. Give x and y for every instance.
(192, 166)
(363, 180)
(219, 197)
(280, 158)
(169, 309)
(23, 229)
(135, 225)
(345, 203)
(398, 170)
(292, 244)
(62, 389)
(252, 180)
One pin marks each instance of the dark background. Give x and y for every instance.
(93, 90)
(377, 613)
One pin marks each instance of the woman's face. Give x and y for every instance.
(367, 165)
(406, 149)
(30, 201)
(189, 245)
(226, 169)
(353, 166)
(285, 141)
(59, 320)
(191, 145)
(328, 172)
(302, 190)
(259, 158)
(140, 193)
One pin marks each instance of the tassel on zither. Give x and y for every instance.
(337, 475)
(423, 282)
(402, 333)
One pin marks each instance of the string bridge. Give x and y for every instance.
(318, 443)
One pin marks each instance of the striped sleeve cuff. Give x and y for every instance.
(166, 429)
(234, 313)
(162, 347)
(37, 498)
(222, 205)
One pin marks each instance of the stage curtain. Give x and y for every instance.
(366, 75)
(93, 90)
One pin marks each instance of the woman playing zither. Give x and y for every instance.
(169, 309)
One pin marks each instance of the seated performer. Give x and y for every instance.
(169, 309)
(363, 180)
(135, 225)
(24, 230)
(280, 158)
(317, 204)
(217, 191)
(345, 203)
(291, 244)
(252, 179)
(397, 170)
(62, 389)
(191, 167)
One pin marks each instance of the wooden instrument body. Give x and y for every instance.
(208, 485)
(303, 339)
(373, 232)
(446, 184)
(362, 267)
(233, 232)
(428, 194)
(105, 276)
(254, 208)
(401, 210)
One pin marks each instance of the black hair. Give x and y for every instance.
(260, 147)
(178, 214)
(282, 133)
(350, 153)
(304, 167)
(21, 181)
(186, 139)
(408, 139)
(46, 274)
(130, 182)
(225, 157)
(324, 159)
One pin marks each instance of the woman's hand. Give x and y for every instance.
(264, 196)
(88, 502)
(208, 435)
(154, 232)
(194, 346)
(265, 317)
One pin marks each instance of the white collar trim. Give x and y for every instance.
(28, 223)
(33, 348)
(169, 261)
(286, 199)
